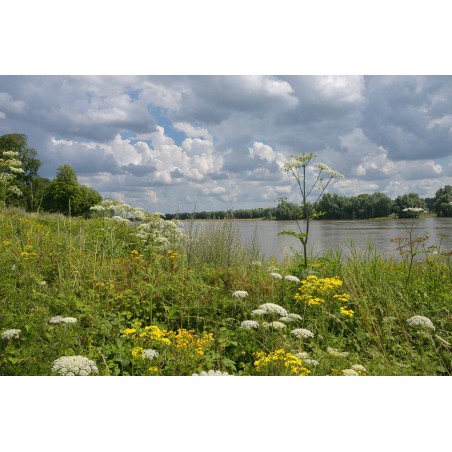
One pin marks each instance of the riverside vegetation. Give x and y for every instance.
(106, 296)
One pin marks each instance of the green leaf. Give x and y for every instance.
(13, 359)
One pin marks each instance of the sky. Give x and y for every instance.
(216, 142)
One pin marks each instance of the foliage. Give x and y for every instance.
(409, 200)
(443, 201)
(65, 195)
(88, 289)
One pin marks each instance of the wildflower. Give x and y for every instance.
(276, 275)
(74, 365)
(295, 316)
(421, 321)
(287, 362)
(286, 319)
(337, 353)
(311, 362)
(211, 373)
(350, 373)
(291, 278)
(359, 368)
(302, 355)
(60, 319)
(11, 334)
(342, 297)
(414, 209)
(150, 353)
(249, 324)
(277, 325)
(258, 312)
(302, 333)
(138, 352)
(272, 308)
(129, 331)
(6, 243)
(346, 312)
(240, 294)
(153, 369)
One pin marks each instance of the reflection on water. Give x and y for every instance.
(328, 235)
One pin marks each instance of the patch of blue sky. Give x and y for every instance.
(161, 120)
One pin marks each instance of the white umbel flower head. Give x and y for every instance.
(276, 325)
(74, 365)
(258, 312)
(276, 275)
(302, 355)
(272, 308)
(302, 333)
(150, 353)
(291, 278)
(295, 316)
(211, 373)
(359, 368)
(286, 319)
(311, 362)
(60, 319)
(240, 294)
(337, 353)
(350, 373)
(11, 334)
(249, 324)
(421, 321)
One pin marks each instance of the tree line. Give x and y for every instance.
(64, 194)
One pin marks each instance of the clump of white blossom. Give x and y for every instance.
(60, 319)
(11, 334)
(302, 333)
(424, 322)
(271, 308)
(240, 294)
(292, 278)
(276, 325)
(249, 324)
(295, 316)
(153, 231)
(276, 275)
(150, 353)
(302, 355)
(74, 365)
(336, 353)
(10, 167)
(310, 362)
(258, 312)
(350, 373)
(359, 368)
(211, 373)
(290, 318)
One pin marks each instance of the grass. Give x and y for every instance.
(179, 302)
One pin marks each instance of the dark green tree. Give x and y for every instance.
(443, 201)
(65, 195)
(408, 200)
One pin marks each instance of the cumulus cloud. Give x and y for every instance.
(170, 143)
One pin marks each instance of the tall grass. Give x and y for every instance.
(95, 271)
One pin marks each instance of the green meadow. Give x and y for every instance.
(106, 296)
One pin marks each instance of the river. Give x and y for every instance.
(327, 235)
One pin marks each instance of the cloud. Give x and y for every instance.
(170, 143)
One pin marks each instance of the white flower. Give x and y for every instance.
(414, 209)
(423, 322)
(291, 278)
(60, 319)
(276, 275)
(276, 325)
(240, 294)
(311, 362)
(295, 316)
(11, 334)
(359, 368)
(302, 333)
(258, 312)
(337, 353)
(74, 365)
(150, 353)
(272, 308)
(302, 355)
(286, 319)
(211, 373)
(249, 324)
(350, 373)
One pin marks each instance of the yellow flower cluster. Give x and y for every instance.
(287, 362)
(138, 352)
(27, 252)
(346, 312)
(156, 334)
(6, 243)
(171, 254)
(135, 254)
(189, 339)
(344, 297)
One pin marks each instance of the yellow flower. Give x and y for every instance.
(154, 370)
(286, 362)
(137, 352)
(129, 331)
(347, 312)
(6, 243)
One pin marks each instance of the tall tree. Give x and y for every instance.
(443, 201)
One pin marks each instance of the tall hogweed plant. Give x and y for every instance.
(323, 175)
